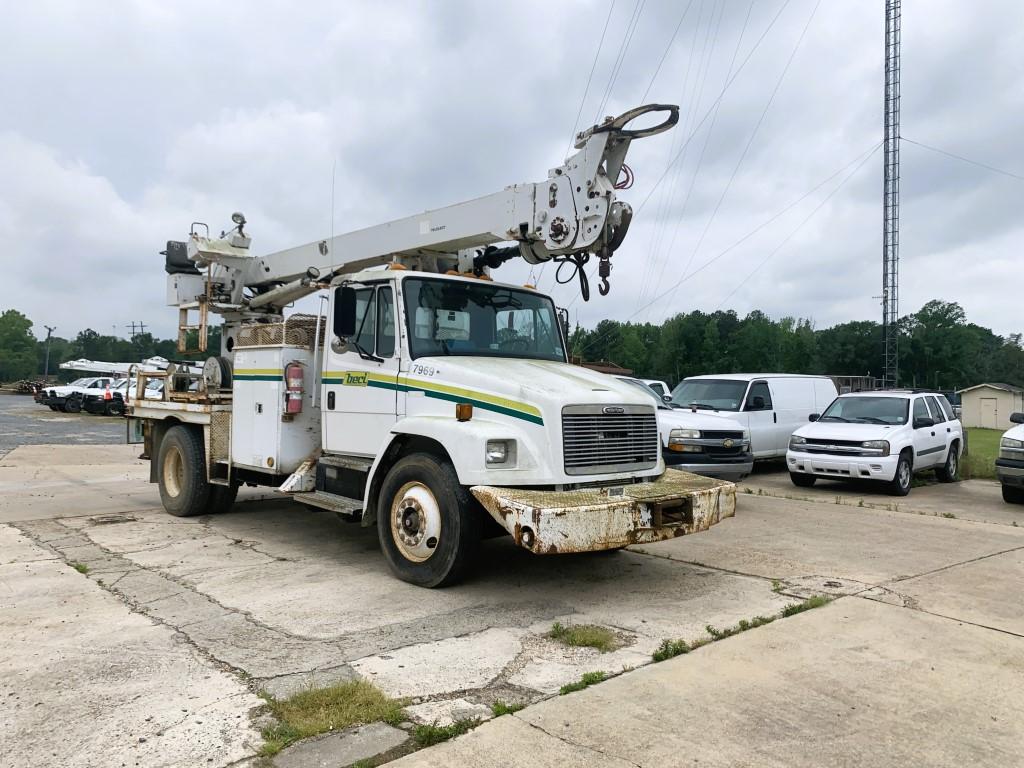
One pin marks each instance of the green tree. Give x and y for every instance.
(17, 346)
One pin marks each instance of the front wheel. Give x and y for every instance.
(948, 471)
(802, 480)
(1013, 495)
(181, 468)
(429, 525)
(900, 483)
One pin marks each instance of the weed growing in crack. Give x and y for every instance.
(428, 735)
(670, 648)
(80, 567)
(588, 679)
(500, 708)
(949, 515)
(776, 586)
(584, 635)
(319, 710)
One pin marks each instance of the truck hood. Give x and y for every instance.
(543, 384)
(687, 419)
(837, 430)
(1014, 433)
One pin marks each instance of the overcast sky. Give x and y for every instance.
(122, 122)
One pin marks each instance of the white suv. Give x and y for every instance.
(885, 436)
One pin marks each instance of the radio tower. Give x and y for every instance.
(891, 197)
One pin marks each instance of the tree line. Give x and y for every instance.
(938, 347)
(23, 356)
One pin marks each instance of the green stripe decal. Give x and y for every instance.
(258, 374)
(487, 402)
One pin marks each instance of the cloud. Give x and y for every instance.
(118, 130)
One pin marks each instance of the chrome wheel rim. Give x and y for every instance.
(174, 471)
(415, 522)
(953, 461)
(904, 474)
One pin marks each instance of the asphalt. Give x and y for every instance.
(156, 653)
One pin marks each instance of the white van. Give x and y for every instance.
(769, 405)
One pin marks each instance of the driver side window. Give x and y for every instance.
(920, 409)
(759, 398)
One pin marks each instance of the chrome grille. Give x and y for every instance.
(619, 438)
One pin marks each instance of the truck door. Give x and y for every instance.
(761, 420)
(360, 375)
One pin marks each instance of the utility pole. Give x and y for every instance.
(141, 326)
(46, 366)
(891, 197)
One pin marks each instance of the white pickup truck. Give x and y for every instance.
(885, 436)
(1010, 464)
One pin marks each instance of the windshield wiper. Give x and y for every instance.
(703, 406)
(833, 418)
(871, 419)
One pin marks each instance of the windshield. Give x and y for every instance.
(447, 317)
(718, 394)
(80, 382)
(647, 390)
(867, 410)
(122, 384)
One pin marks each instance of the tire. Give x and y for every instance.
(222, 498)
(181, 469)
(113, 408)
(72, 405)
(429, 525)
(1013, 495)
(948, 472)
(802, 480)
(54, 408)
(900, 483)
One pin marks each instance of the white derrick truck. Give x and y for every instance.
(430, 400)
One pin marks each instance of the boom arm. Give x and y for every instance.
(574, 211)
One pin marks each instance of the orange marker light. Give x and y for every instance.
(463, 411)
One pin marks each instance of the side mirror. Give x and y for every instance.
(814, 417)
(668, 399)
(1017, 418)
(345, 312)
(923, 421)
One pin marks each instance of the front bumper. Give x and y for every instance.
(593, 519)
(1010, 472)
(843, 467)
(731, 468)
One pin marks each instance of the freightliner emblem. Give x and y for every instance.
(610, 409)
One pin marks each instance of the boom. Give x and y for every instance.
(572, 215)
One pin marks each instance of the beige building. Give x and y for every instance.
(990, 405)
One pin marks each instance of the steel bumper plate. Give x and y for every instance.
(590, 519)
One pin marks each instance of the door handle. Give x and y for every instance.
(775, 417)
(330, 400)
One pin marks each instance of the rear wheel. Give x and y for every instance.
(181, 468)
(802, 480)
(1013, 495)
(429, 525)
(222, 498)
(900, 483)
(947, 472)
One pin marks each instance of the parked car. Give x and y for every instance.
(1010, 464)
(112, 402)
(768, 405)
(702, 443)
(659, 387)
(885, 436)
(68, 397)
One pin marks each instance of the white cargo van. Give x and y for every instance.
(769, 405)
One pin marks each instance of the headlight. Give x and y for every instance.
(677, 441)
(691, 434)
(1009, 442)
(796, 440)
(876, 445)
(499, 452)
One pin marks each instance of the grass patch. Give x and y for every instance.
(815, 601)
(671, 648)
(428, 735)
(776, 586)
(588, 679)
(80, 567)
(500, 708)
(950, 515)
(318, 710)
(980, 461)
(584, 636)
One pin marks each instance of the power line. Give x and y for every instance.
(858, 160)
(664, 55)
(627, 39)
(986, 166)
(590, 77)
(753, 134)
